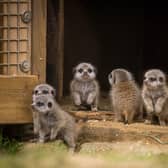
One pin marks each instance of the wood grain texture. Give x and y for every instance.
(16, 98)
(39, 26)
(60, 51)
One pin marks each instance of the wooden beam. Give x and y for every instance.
(39, 26)
(1, 35)
(115, 131)
(60, 51)
(16, 98)
(89, 115)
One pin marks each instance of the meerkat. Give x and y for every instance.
(155, 96)
(54, 122)
(41, 89)
(84, 87)
(125, 96)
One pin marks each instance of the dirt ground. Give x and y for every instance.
(101, 144)
(105, 135)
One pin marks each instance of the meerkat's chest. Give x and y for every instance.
(86, 87)
(155, 95)
(48, 120)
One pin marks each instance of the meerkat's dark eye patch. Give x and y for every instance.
(49, 104)
(52, 92)
(45, 92)
(35, 92)
(80, 70)
(90, 70)
(161, 79)
(40, 104)
(152, 79)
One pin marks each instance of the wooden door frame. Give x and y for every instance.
(39, 30)
(39, 43)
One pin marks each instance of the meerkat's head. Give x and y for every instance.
(43, 104)
(44, 89)
(84, 72)
(154, 79)
(119, 75)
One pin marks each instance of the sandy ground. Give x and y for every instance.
(101, 144)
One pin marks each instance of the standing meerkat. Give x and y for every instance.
(41, 89)
(125, 96)
(155, 96)
(53, 121)
(84, 86)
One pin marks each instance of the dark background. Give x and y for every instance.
(109, 35)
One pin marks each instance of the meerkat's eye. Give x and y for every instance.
(161, 79)
(80, 70)
(49, 104)
(90, 70)
(152, 79)
(45, 91)
(52, 92)
(36, 92)
(40, 104)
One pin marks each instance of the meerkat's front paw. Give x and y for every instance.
(52, 137)
(77, 102)
(158, 109)
(41, 140)
(148, 122)
(93, 108)
(149, 109)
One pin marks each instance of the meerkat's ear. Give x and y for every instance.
(111, 78)
(53, 92)
(73, 70)
(95, 70)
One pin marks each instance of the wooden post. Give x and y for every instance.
(39, 26)
(60, 51)
(1, 35)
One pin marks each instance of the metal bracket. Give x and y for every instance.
(25, 66)
(26, 17)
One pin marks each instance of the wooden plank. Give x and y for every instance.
(39, 17)
(109, 131)
(15, 98)
(89, 115)
(60, 51)
(1, 35)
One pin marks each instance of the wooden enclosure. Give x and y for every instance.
(22, 56)
(36, 45)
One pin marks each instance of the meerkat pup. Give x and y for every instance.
(53, 121)
(84, 86)
(155, 96)
(41, 89)
(125, 96)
